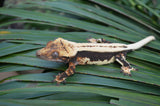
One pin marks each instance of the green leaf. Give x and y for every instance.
(38, 35)
(151, 10)
(13, 67)
(30, 61)
(90, 79)
(74, 10)
(26, 21)
(19, 102)
(137, 98)
(10, 48)
(108, 15)
(74, 23)
(49, 95)
(125, 12)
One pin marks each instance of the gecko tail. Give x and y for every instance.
(141, 43)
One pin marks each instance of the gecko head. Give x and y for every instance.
(54, 51)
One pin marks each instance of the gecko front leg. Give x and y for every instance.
(126, 68)
(62, 76)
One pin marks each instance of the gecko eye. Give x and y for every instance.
(100, 40)
(55, 54)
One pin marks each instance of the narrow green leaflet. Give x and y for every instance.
(112, 71)
(146, 56)
(13, 85)
(19, 102)
(50, 95)
(74, 23)
(10, 48)
(151, 10)
(26, 21)
(75, 10)
(38, 35)
(14, 67)
(89, 79)
(31, 61)
(78, 96)
(127, 13)
(138, 98)
(110, 16)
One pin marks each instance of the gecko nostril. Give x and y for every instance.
(38, 54)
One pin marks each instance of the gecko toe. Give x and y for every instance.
(130, 75)
(121, 71)
(127, 74)
(134, 69)
(124, 74)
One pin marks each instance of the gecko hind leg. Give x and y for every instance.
(60, 78)
(126, 68)
(101, 40)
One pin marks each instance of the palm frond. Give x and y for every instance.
(77, 21)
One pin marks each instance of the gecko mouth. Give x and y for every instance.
(46, 58)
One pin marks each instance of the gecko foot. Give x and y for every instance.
(127, 70)
(59, 79)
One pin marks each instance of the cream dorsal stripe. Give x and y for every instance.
(112, 47)
(100, 47)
